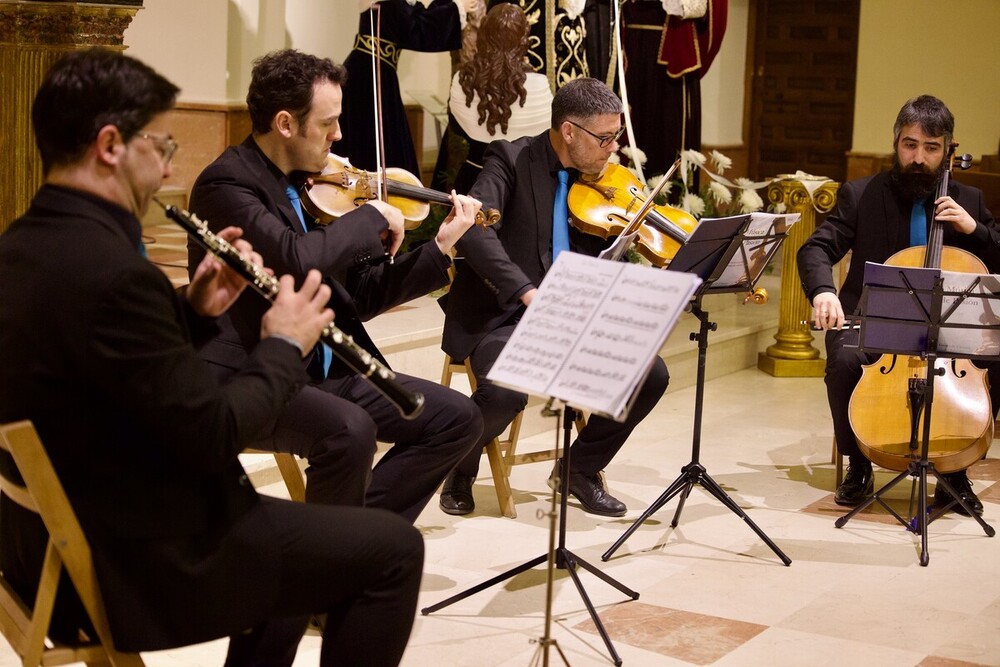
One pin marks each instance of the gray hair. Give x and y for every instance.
(582, 99)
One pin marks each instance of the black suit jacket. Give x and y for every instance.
(502, 262)
(96, 349)
(872, 221)
(242, 187)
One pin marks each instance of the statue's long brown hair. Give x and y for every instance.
(498, 69)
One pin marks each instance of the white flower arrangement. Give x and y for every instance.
(720, 196)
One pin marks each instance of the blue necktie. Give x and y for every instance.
(323, 351)
(918, 224)
(560, 217)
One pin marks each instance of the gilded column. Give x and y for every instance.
(793, 355)
(33, 35)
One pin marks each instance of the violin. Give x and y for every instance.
(886, 404)
(340, 188)
(610, 205)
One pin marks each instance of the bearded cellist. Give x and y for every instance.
(875, 217)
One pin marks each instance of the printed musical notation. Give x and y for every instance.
(592, 331)
(761, 238)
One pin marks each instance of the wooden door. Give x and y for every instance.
(801, 68)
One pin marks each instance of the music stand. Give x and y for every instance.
(902, 312)
(556, 350)
(730, 255)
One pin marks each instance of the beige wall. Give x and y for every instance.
(190, 52)
(723, 87)
(948, 49)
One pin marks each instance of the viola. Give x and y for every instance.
(882, 406)
(612, 204)
(340, 188)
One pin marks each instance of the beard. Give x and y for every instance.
(914, 182)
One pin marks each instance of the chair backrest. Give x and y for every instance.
(41, 492)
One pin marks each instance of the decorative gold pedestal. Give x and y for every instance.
(793, 355)
(33, 35)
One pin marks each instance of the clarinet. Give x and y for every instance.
(410, 404)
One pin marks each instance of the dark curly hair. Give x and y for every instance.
(498, 70)
(87, 90)
(283, 81)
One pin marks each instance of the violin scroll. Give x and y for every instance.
(487, 218)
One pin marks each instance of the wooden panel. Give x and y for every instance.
(865, 164)
(802, 108)
(203, 132)
(989, 183)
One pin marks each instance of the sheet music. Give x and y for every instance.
(762, 236)
(963, 331)
(591, 332)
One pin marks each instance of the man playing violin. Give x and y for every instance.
(294, 102)
(875, 217)
(503, 266)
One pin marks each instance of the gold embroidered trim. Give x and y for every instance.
(388, 51)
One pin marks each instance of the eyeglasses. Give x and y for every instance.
(165, 145)
(605, 140)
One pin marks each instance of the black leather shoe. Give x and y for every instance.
(591, 492)
(963, 487)
(456, 494)
(858, 484)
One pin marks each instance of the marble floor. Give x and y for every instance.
(711, 591)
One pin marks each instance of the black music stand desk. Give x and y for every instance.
(730, 255)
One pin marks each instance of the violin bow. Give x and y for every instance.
(620, 65)
(381, 180)
(375, 20)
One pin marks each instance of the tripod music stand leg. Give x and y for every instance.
(685, 492)
(987, 528)
(571, 563)
(486, 584)
(712, 487)
(875, 497)
(675, 487)
(563, 558)
(925, 556)
(572, 557)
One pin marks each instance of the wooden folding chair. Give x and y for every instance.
(291, 474)
(497, 450)
(838, 460)
(502, 453)
(26, 629)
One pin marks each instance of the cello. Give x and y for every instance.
(885, 407)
